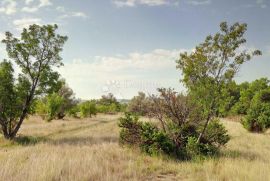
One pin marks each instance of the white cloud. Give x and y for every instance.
(61, 9)
(73, 14)
(25, 22)
(45, 3)
(30, 9)
(132, 3)
(78, 14)
(28, 1)
(198, 2)
(261, 3)
(35, 8)
(87, 77)
(8, 7)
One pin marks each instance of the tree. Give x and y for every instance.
(169, 107)
(36, 53)
(88, 108)
(247, 92)
(138, 104)
(212, 66)
(108, 99)
(69, 100)
(108, 104)
(54, 103)
(258, 114)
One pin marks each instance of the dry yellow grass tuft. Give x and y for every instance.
(88, 150)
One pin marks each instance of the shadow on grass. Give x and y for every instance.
(29, 140)
(239, 154)
(84, 140)
(79, 128)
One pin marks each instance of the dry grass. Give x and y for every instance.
(88, 150)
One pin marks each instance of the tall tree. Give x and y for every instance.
(36, 53)
(212, 65)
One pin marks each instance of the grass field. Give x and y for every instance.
(88, 150)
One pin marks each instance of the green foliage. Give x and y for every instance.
(216, 134)
(180, 142)
(87, 109)
(130, 132)
(36, 53)
(139, 104)
(57, 104)
(54, 103)
(73, 112)
(258, 115)
(155, 141)
(10, 97)
(212, 66)
(247, 92)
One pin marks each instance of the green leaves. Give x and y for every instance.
(36, 53)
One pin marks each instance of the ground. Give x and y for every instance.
(88, 149)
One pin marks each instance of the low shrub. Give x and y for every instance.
(178, 141)
(88, 109)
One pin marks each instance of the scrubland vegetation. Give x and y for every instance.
(88, 149)
(49, 134)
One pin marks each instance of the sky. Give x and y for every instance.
(126, 46)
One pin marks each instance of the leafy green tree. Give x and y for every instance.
(36, 53)
(57, 104)
(258, 114)
(212, 66)
(54, 105)
(88, 108)
(69, 100)
(247, 92)
(230, 97)
(108, 100)
(138, 104)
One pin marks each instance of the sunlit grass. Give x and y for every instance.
(88, 150)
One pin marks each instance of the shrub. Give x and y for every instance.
(178, 141)
(258, 116)
(73, 112)
(87, 109)
(130, 132)
(54, 103)
(139, 104)
(49, 107)
(216, 134)
(155, 141)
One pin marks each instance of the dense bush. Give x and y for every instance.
(178, 141)
(54, 103)
(247, 93)
(88, 109)
(57, 104)
(139, 104)
(258, 115)
(144, 135)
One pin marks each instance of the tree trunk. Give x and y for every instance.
(204, 129)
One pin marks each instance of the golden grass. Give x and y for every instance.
(88, 150)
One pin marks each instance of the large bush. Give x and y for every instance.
(247, 93)
(258, 115)
(57, 104)
(177, 130)
(88, 109)
(144, 135)
(139, 104)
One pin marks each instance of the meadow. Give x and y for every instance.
(88, 149)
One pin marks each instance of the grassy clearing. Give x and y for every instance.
(88, 150)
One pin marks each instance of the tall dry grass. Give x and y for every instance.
(88, 150)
